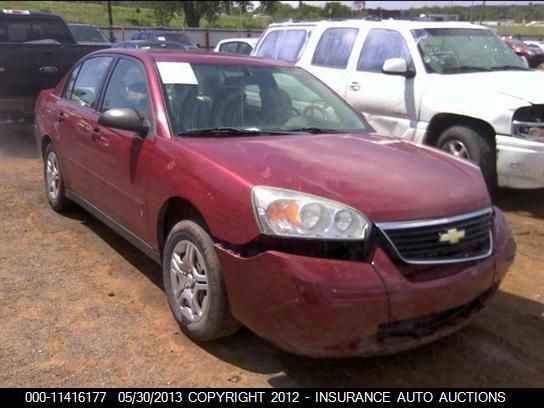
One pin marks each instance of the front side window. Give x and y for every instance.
(458, 50)
(252, 98)
(334, 47)
(283, 45)
(89, 80)
(128, 88)
(381, 45)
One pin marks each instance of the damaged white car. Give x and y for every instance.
(454, 86)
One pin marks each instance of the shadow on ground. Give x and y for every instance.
(18, 141)
(474, 357)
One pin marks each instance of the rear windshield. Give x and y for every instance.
(24, 28)
(175, 37)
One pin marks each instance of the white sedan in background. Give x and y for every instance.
(237, 45)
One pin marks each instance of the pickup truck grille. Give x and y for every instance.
(448, 240)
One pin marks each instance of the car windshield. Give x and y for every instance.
(215, 99)
(457, 50)
(86, 33)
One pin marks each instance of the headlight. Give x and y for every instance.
(288, 213)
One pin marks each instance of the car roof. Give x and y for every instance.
(398, 24)
(192, 56)
(248, 40)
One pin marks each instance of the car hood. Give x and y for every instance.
(387, 179)
(527, 87)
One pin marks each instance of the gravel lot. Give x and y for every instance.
(80, 307)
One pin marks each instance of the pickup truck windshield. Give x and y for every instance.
(252, 100)
(26, 28)
(460, 50)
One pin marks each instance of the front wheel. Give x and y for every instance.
(194, 284)
(470, 144)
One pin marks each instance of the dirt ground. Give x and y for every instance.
(80, 307)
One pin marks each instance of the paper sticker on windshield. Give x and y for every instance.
(161, 38)
(177, 73)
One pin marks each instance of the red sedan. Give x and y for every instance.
(269, 202)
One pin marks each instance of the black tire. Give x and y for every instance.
(480, 149)
(216, 320)
(58, 201)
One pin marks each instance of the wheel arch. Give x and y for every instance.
(173, 210)
(442, 121)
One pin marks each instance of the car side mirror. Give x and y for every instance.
(397, 66)
(124, 118)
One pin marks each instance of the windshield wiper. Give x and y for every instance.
(508, 67)
(465, 68)
(314, 130)
(227, 131)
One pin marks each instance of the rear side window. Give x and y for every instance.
(23, 28)
(381, 45)
(229, 47)
(69, 87)
(284, 45)
(89, 80)
(244, 48)
(334, 47)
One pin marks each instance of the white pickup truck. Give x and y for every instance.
(454, 86)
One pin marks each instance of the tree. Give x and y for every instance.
(195, 10)
(336, 10)
(165, 11)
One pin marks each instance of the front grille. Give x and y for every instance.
(447, 240)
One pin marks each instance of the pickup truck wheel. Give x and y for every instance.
(467, 143)
(54, 182)
(194, 284)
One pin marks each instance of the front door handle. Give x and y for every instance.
(98, 138)
(354, 86)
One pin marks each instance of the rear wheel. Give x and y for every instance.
(471, 144)
(54, 182)
(194, 284)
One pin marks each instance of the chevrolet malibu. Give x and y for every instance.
(270, 203)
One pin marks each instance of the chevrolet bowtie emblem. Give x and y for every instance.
(453, 236)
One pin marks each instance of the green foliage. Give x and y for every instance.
(164, 12)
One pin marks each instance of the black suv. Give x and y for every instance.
(161, 35)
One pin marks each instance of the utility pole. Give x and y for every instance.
(112, 39)
(482, 12)
(471, 7)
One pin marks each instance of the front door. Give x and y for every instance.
(119, 155)
(389, 102)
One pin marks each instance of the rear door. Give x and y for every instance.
(388, 102)
(77, 110)
(119, 156)
(331, 55)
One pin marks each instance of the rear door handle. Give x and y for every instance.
(354, 86)
(61, 117)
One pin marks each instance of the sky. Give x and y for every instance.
(397, 5)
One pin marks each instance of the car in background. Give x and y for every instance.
(451, 85)
(535, 44)
(36, 50)
(164, 35)
(145, 44)
(88, 34)
(236, 45)
(271, 203)
(533, 56)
